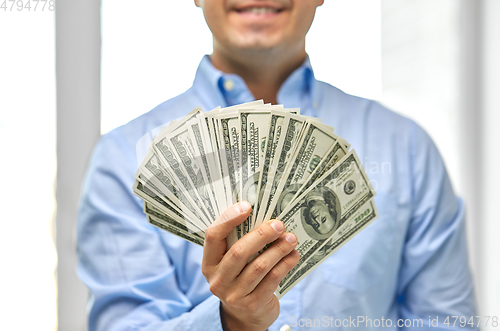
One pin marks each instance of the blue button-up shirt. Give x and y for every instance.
(409, 265)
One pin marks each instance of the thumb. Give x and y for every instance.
(215, 236)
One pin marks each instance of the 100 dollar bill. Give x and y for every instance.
(325, 206)
(361, 219)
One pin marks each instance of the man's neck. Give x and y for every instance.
(263, 71)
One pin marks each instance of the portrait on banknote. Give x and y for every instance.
(320, 213)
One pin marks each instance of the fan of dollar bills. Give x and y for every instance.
(287, 166)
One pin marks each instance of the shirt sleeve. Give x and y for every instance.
(123, 259)
(435, 280)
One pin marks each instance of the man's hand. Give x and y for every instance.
(247, 291)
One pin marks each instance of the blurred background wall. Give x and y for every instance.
(73, 72)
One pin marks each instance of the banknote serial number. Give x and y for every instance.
(27, 5)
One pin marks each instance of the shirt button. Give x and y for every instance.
(228, 85)
(315, 105)
(286, 327)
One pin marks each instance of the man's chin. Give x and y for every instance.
(258, 44)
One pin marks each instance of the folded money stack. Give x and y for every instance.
(287, 166)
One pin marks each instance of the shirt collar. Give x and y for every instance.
(215, 88)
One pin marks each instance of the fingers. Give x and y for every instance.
(273, 278)
(215, 236)
(237, 257)
(255, 271)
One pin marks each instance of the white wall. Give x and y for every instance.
(150, 52)
(345, 47)
(28, 166)
(488, 276)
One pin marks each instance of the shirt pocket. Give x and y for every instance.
(362, 262)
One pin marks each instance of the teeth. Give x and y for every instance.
(260, 10)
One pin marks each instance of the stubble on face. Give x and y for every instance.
(263, 41)
(258, 25)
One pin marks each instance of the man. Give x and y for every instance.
(411, 263)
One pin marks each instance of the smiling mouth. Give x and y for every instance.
(259, 10)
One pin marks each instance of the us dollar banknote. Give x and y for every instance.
(151, 210)
(201, 157)
(326, 205)
(254, 126)
(312, 149)
(361, 219)
(288, 166)
(184, 149)
(336, 152)
(273, 137)
(168, 157)
(151, 196)
(292, 128)
(152, 171)
(175, 231)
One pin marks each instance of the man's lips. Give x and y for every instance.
(253, 9)
(258, 13)
(258, 10)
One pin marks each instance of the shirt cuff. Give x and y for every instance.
(206, 315)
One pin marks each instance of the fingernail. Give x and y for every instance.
(291, 238)
(295, 252)
(243, 206)
(277, 226)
